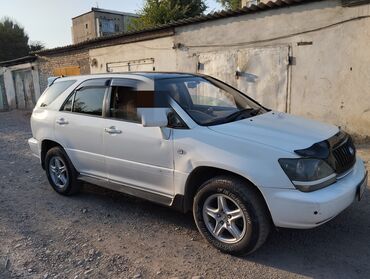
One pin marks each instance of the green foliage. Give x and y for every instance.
(13, 40)
(156, 12)
(35, 46)
(230, 4)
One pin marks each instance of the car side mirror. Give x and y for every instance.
(154, 117)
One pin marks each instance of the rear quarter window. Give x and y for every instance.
(52, 92)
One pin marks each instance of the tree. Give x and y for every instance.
(230, 4)
(35, 46)
(156, 12)
(13, 40)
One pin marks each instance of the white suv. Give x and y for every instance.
(194, 143)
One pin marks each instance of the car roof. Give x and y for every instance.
(164, 75)
(148, 75)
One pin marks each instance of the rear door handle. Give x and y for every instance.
(62, 121)
(112, 130)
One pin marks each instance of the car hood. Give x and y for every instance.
(279, 130)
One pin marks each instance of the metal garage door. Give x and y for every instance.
(24, 89)
(2, 94)
(262, 73)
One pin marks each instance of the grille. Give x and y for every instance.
(344, 155)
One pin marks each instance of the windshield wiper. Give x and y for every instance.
(236, 115)
(255, 112)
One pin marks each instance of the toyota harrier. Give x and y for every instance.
(196, 144)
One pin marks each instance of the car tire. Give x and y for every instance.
(61, 173)
(231, 215)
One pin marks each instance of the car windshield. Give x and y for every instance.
(208, 101)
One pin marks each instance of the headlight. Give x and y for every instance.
(308, 174)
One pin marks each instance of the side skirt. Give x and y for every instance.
(127, 189)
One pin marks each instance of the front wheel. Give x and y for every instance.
(231, 215)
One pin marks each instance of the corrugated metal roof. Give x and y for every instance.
(349, 3)
(198, 19)
(21, 60)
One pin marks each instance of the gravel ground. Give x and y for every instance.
(103, 234)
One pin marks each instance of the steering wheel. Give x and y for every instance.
(210, 110)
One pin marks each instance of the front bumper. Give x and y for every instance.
(34, 146)
(291, 208)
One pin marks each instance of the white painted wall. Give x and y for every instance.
(160, 49)
(330, 80)
(330, 76)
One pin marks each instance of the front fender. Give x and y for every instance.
(255, 162)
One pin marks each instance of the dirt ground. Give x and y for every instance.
(103, 234)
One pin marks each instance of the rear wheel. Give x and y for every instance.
(61, 174)
(231, 215)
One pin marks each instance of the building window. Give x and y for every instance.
(87, 25)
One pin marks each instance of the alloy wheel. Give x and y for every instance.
(224, 219)
(58, 172)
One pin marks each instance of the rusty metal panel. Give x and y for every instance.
(29, 90)
(67, 71)
(3, 99)
(19, 90)
(146, 64)
(262, 73)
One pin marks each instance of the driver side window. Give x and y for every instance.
(124, 103)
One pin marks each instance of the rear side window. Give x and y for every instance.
(52, 92)
(89, 100)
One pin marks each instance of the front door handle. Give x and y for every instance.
(62, 121)
(112, 130)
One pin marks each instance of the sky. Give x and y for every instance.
(49, 21)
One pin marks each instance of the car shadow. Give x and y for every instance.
(119, 201)
(339, 248)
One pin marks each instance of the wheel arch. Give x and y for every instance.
(203, 173)
(46, 145)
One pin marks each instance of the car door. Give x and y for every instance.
(137, 157)
(79, 127)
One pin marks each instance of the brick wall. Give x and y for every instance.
(49, 62)
(78, 55)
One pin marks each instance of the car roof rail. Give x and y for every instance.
(51, 80)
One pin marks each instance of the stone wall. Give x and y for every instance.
(49, 60)
(48, 63)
